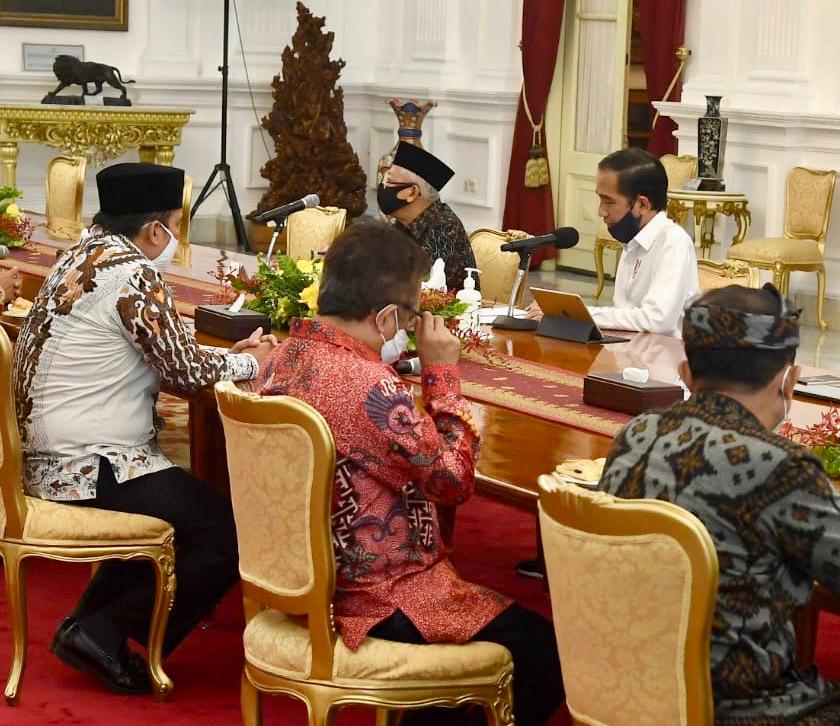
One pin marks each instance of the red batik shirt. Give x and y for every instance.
(394, 464)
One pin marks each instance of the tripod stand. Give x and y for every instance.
(222, 169)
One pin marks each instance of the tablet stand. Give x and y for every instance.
(578, 331)
(509, 322)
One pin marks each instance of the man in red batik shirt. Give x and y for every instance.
(395, 463)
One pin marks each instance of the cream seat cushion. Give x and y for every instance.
(56, 523)
(791, 251)
(280, 646)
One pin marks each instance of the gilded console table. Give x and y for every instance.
(96, 132)
(704, 206)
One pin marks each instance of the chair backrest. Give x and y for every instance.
(498, 269)
(712, 275)
(65, 184)
(183, 255)
(313, 230)
(810, 193)
(679, 169)
(13, 512)
(633, 585)
(281, 459)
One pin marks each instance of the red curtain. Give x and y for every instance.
(532, 209)
(662, 26)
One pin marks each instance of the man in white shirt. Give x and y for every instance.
(657, 274)
(102, 335)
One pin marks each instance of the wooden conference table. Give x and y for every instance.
(515, 447)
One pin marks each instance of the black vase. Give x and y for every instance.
(711, 141)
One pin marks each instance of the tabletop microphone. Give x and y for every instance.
(408, 367)
(562, 238)
(309, 201)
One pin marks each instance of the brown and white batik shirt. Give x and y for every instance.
(102, 335)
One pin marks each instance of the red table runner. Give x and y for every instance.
(38, 259)
(530, 388)
(537, 390)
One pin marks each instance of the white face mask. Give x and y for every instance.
(393, 348)
(161, 262)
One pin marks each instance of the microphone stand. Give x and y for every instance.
(223, 168)
(509, 322)
(279, 224)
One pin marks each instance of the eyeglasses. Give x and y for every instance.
(411, 309)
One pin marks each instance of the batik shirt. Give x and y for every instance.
(102, 335)
(774, 519)
(441, 234)
(394, 464)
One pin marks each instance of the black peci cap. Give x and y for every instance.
(134, 188)
(424, 164)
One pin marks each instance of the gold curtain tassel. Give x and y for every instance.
(536, 168)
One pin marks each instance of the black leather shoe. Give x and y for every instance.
(125, 673)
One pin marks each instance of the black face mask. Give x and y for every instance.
(387, 197)
(626, 228)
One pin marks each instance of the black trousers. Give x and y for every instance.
(537, 679)
(118, 601)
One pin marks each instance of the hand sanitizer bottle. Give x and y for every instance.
(468, 294)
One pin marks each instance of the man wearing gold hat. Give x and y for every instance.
(102, 335)
(409, 194)
(772, 513)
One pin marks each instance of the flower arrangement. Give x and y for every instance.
(289, 289)
(15, 226)
(822, 438)
(449, 307)
(286, 290)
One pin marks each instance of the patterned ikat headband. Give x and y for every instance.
(714, 326)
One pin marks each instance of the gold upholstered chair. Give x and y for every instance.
(183, 254)
(679, 170)
(32, 527)
(498, 269)
(65, 182)
(286, 561)
(633, 584)
(807, 211)
(313, 230)
(712, 275)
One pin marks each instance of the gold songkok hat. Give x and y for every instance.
(721, 327)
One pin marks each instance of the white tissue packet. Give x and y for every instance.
(637, 375)
(238, 303)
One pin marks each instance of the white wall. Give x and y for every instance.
(462, 53)
(774, 62)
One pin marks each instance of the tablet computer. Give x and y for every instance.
(567, 317)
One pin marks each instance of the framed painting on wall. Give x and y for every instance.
(76, 14)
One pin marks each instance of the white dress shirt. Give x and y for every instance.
(657, 275)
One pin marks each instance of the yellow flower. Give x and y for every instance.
(13, 211)
(305, 266)
(309, 296)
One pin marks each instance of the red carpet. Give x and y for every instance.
(207, 667)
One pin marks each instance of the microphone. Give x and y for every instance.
(309, 201)
(408, 367)
(562, 238)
